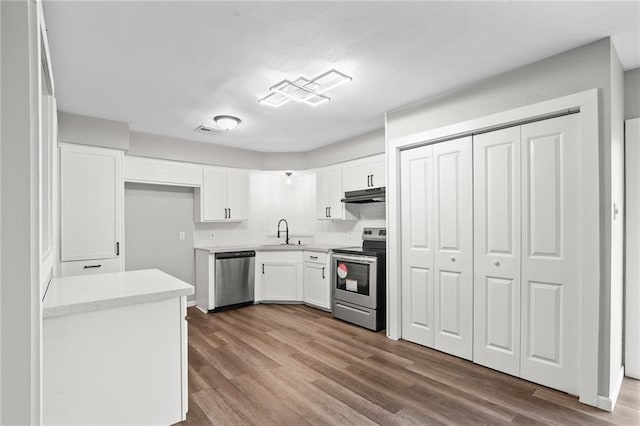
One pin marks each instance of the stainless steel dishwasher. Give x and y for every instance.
(234, 282)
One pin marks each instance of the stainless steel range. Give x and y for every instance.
(359, 281)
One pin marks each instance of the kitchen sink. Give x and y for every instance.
(282, 246)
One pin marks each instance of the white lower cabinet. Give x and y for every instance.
(120, 366)
(317, 286)
(279, 276)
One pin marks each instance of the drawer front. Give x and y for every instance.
(86, 267)
(315, 257)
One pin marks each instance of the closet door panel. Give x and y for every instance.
(551, 252)
(453, 239)
(496, 167)
(417, 245)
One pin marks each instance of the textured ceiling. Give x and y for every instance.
(166, 67)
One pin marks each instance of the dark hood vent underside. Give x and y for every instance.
(373, 195)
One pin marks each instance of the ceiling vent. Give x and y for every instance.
(207, 130)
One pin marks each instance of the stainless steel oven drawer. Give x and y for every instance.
(359, 315)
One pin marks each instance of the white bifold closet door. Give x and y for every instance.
(551, 251)
(437, 238)
(417, 245)
(526, 251)
(496, 169)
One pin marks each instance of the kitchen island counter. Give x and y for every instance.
(84, 293)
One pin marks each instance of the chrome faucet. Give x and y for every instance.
(286, 230)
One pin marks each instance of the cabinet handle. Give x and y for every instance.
(118, 248)
(323, 272)
(329, 211)
(91, 266)
(263, 268)
(496, 263)
(229, 213)
(313, 257)
(368, 184)
(453, 258)
(372, 181)
(326, 212)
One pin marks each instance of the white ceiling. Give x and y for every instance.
(166, 67)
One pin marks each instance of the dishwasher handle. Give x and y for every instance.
(235, 254)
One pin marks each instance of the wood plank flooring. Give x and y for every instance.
(295, 365)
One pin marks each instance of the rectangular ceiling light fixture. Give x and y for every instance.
(303, 90)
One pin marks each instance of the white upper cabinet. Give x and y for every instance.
(163, 172)
(365, 174)
(224, 196)
(329, 194)
(91, 202)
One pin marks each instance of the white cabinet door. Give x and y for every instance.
(496, 168)
(551, 252)
(214, 194)
(329, 194)
(280, 281)
(417, 245)
(336, 206)
(356, 175)
(453, 247)
(316, 285)
(379, 171)
(238, 195)
(91, 202)
(322, 194)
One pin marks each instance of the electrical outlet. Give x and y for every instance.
(212, 235)
(182, 236)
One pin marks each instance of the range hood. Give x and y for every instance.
(372, 195)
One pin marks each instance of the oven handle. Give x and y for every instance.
(358, 259)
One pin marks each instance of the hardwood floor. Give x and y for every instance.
(295, 365)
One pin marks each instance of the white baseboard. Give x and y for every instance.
(608, 403)
(191, 303)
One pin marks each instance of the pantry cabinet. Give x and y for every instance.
(329, 194)
(224, 196)
(91, 194)
(317, 286)
(365, 174)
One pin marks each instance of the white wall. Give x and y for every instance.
(370, 143)
(81, 129)
(154, 217)
(20, 319)
(580, 69)
(632, 94)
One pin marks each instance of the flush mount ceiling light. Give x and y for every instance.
(227, 122)
(303, 90)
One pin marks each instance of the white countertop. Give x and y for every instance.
(322, 248)
(84, 293)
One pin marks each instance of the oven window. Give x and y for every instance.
(352, 276)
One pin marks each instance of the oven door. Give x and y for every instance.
(353, 279)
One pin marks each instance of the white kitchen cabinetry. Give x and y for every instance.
(329, 194)
(317, 286)
(437, 246)
(91, 192)
(163, 172)
(365, 174)
(224, 196)
(279, 276)
(114, 349)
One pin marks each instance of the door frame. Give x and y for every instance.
(587, 103)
